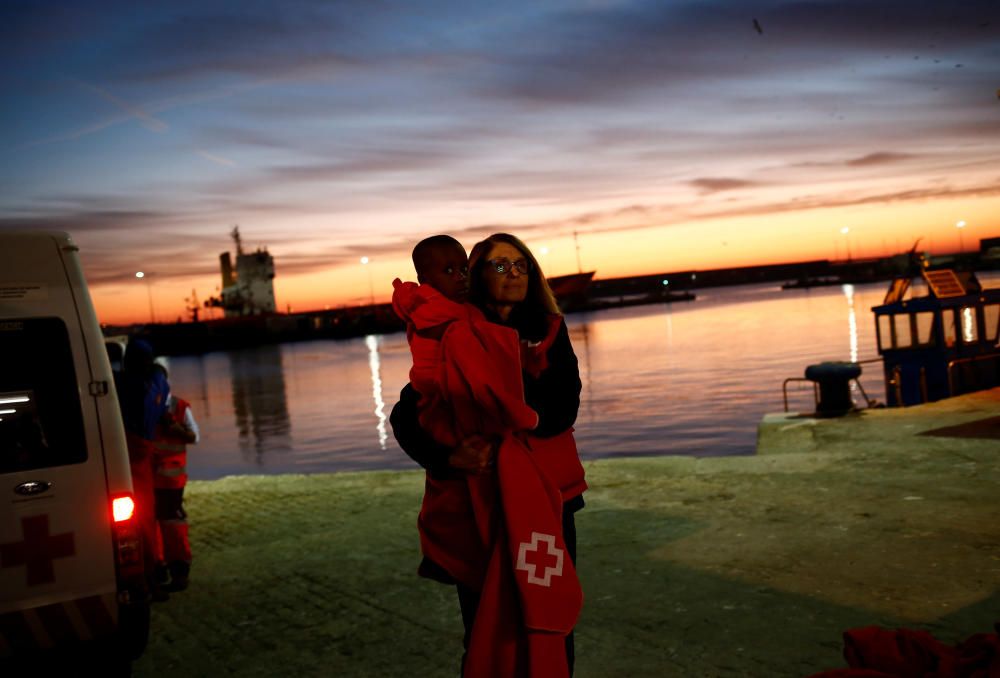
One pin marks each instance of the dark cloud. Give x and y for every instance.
(256, 39)
(880, 158)
(641, 48)
(716, 184)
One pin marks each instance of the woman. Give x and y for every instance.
(508, 285)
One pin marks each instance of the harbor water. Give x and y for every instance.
(691, 378)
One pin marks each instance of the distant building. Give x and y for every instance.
(247, 288)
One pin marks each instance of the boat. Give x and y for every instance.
(571, 290)
(939, 345)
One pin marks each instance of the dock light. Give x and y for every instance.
(960, 225)
(123, 508)
(665, 282)
(140, 274)
(371, 284)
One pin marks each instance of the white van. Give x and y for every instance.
(71, 577)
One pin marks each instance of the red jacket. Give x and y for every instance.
(170, 451)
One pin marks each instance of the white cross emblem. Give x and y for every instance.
(531, 568)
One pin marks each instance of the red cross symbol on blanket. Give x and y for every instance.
(38, 550)
(552, 553)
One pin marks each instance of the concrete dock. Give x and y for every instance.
(734, 566)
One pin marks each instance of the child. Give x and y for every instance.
(459, 358)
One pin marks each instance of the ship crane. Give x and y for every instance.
(191, 306)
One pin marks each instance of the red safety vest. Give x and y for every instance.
(170, 452)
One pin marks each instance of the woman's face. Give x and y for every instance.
(510, 287)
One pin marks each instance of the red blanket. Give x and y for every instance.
(873, 652)
(531, 596)
(499, 534)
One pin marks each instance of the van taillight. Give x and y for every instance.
(122, 508)
(128, 543)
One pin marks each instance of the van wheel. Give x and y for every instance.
(133, 628)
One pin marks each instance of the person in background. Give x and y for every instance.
(176, 430)
(142, 396)
(510, 288)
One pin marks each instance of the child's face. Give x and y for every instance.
(447, 271)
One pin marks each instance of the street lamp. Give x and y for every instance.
(960, 225)
(371, 285)
(845, 230)
(149, 291)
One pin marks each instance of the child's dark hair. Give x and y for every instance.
(423, 249)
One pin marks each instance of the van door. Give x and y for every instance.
(56, 553)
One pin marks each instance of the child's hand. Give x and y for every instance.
(475, 454)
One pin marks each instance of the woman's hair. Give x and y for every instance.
(537, 305)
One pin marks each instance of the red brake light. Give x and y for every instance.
(122, 508)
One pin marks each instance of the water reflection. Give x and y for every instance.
(579, 337)
(259, 402)
(371, 341)
(852, 329)
(852, 322)
(692, 378)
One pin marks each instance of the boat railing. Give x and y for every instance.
(959, 362)
(784, 389)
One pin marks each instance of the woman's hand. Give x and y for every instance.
(475, 454)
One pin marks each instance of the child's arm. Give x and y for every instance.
(433, 332)
(473, 455)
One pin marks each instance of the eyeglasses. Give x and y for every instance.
(505, 266)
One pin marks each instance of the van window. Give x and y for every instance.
(41, 423)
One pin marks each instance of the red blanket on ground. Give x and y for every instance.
(873, 652)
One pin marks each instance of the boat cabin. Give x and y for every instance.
(942, 344)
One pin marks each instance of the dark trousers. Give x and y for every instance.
(468, 599)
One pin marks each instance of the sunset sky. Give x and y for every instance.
(669, 135)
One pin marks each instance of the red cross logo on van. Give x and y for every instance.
(38, 550)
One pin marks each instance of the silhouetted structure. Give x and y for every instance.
(247, 289)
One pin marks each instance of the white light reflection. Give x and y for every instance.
(373, 362)
(8, 411)
(852, 328)
(11, 401)
(968, 325)
(852, 321)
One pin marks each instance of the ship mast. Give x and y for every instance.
(579, 266)
(236, 238)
